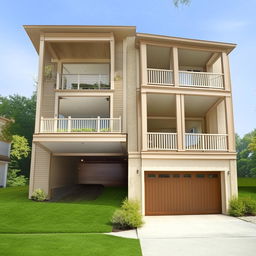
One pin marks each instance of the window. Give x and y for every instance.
(200, 175)
(212, 176)
(164, 175)
(176, 175)
(151, 175)
(187, 175)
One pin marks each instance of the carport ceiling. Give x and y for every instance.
(197, 106)
(84, 107)
(85, 147)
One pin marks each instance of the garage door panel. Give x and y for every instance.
(182, 193)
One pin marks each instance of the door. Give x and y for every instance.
(168, 193)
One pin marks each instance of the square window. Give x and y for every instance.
(187, 175)
(176, 175)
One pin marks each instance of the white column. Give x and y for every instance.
(180, 119)
(5, 174)
(226, 71)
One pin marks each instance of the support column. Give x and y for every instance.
(112, 63)
(180, 117)
(175, 62)
(143, 63)
(230, 124)
(226, 71)
(40, 83)
(144, 125)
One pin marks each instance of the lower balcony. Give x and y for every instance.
(80, 125)
(192, 141)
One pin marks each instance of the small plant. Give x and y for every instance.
(105, 130)
(250, 206)
(39, 195)
(14, 180)
(236, 207)
(129, 216)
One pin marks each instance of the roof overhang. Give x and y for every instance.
(184, 42)
(35, 31)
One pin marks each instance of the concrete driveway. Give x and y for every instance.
(199, 235)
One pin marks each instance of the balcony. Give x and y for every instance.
(80, 125)
(161, 141)
(83, 82)
(160, 76)
(193, 141)
(201, 79)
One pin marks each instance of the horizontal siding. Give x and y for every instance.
(41, 169)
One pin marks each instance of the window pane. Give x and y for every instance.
(187, 175)
(200, 175)
(164, 176)
(212, 176)
(151, 175)
(176, 175)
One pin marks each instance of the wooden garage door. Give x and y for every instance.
(182, 193)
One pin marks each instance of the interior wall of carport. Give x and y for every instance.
(63, 172)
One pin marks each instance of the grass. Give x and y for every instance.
(66, 245)
(247, 187)
(20, 215)
(61, 229)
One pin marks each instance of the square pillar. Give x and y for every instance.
(175, 61)
(144, 124)
(40, 83)
(112, 63)
(230, 124)
(226, 71)
(180, 117)
(143, 63)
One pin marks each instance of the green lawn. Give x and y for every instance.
(20, 215)
(67, 245)
(61, 229)
(247, 187)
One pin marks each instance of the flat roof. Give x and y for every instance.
(121, 32)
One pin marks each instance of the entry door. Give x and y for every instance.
(168, 193)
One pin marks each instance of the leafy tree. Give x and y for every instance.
(22, 110)
(246, 155)
(19, 150)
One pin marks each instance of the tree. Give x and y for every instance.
(246, 155)
(22, 110)
(19, 150)
(178, 2)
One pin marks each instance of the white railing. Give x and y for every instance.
(161, 141)
(211, 142)
(160, 76)
(82, 81)
(85, 125)
(201, 79)
(5, 148)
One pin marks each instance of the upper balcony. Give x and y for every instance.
(84, 76)
(183, 68)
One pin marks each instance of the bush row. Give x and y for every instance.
(242, 206)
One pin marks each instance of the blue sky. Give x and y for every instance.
(219, 20)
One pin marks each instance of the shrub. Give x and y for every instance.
(250, 206)
(129, 216)
(236, 207)
(13, 180)
(39, 195)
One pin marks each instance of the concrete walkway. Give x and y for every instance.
(199, 235)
